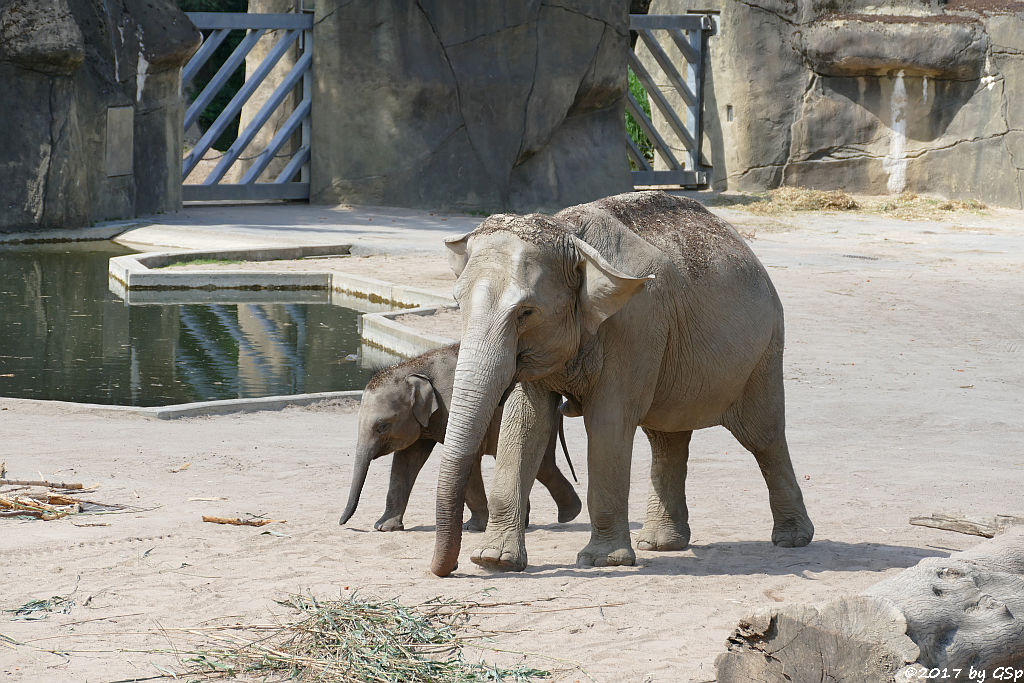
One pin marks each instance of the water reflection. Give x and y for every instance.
(64, 336)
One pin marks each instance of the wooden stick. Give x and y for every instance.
(48, 484)
(241, 522)
(967, 526)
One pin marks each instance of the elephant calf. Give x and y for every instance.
(404, 411)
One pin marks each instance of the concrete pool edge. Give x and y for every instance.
(196, 409)
(378, 329)
(134, 273)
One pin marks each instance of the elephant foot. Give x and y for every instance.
(663, 537)
(475, 524)
(389, 523)
(615, 554)
(568, 511)
(501, 552)
(793, 533)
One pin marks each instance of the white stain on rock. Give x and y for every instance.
(141, 70)
(924, 89)
(990, 77)
(895, 163)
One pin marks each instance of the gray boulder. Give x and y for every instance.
(91, 114)
(507, 105)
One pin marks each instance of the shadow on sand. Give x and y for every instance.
(757, 557)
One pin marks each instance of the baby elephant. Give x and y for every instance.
(405, 411)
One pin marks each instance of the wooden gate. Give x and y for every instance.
(292, 182)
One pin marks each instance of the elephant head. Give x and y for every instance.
(530, 293)
(392, 415)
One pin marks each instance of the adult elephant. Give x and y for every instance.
(643, 309)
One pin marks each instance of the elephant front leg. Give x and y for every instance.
(667, 525)
(405, 467)
(609, 452)
(526, 426)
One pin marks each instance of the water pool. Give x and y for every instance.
(64, 336)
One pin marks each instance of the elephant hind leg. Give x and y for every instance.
(476, 500)
(561, 490)
(758, 421)
(667, 524)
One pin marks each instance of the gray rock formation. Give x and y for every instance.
(91, 114)
(514, 104)
(871, 97)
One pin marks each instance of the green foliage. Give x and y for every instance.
(636, 89)
(234, 83)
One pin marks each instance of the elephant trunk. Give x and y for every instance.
(485, 369)
(359, 470)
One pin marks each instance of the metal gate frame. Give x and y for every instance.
(293, 181)
(689, 34)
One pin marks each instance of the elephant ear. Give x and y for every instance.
(424, 400)
(604, 289)
(458, 252)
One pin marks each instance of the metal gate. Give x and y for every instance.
(292, 182)
(687, 33)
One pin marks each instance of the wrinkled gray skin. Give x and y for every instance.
(645, 310)
(404, 410)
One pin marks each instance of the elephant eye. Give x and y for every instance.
(381, 427)
(525, 313)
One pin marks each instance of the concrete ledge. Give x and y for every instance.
(197, 409)
(381, 292)
(382, 331)
(103, 231)
(134, 272)
(245, 405)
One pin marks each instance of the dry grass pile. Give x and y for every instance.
(352, 640)
(910, 206)
(906, 206)
(789, 199)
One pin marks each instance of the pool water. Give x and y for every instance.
(64, 336)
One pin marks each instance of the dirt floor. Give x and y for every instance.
(904, 391)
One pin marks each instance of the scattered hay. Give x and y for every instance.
(909, 206)
(789, 199)
(352, 640)
(785, 200)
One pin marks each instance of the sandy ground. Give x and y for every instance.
(904, 390)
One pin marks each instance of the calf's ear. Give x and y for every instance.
(604, 289)
(458, 252)
(424, 400)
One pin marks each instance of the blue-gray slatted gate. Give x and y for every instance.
(688, 33)
(293, 181)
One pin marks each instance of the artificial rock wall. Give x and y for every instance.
(91, 115)
(504, 105)
(873, 97)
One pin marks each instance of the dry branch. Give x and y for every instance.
(237, 521)
(956, 612)
(47, 484)
(962, 525)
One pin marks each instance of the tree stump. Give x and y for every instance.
(947, 614)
